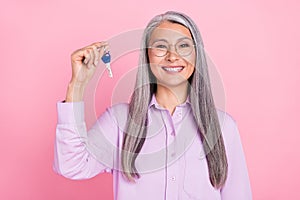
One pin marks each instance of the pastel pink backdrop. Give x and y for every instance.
(255, 46)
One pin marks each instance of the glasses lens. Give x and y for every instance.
(159, 48)
(185, 47)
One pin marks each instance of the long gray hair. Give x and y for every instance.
(202, 103)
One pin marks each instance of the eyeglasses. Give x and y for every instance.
(183, 47)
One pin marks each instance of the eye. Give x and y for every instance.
(184, 45)
(161, 46)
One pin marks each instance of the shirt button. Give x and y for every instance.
(179, 115)
(202, 155)
(173, 178)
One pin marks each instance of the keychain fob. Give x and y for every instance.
(106, 59)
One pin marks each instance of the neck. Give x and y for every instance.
(170, 97)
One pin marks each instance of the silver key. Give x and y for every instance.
(106, 59)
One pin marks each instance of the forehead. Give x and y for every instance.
(170, 32)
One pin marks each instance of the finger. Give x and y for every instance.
(106, 48)
(78, 56)
(92, 58)
(87, 56)
(102, 45)
(98, 50)
(92, 53)
(97, 55)
(103, 50)
(99, 45)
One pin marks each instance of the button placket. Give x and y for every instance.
(173, 181)
(179, 114)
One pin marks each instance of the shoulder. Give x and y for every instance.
(225, 118)
(119, 113)
(228, 126)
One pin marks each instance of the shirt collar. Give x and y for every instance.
(154, 103)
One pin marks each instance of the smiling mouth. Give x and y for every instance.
(173, 69)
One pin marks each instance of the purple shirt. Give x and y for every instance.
(171, 163)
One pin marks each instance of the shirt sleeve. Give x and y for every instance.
(237, 186)
(82, 154)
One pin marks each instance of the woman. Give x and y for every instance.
(170, 142)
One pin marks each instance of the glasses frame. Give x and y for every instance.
(169, 49)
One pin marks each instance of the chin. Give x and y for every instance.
(173, 83)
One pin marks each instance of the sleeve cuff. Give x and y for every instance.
(70, 112)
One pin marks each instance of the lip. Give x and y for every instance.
(173, 69)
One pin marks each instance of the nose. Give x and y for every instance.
(172, 55)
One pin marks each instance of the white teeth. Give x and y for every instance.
(173, 69)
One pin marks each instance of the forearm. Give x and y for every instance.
(71, 156)
(75, 92)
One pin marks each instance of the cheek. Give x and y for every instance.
(191, 62)
(192, 69)
(193, 59)
(152, 58)
(153, 62)
(154, 69)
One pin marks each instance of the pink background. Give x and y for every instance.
(254, 44)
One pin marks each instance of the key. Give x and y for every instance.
(106, 59)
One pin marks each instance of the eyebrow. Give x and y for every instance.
(162, 39)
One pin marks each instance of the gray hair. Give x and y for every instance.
(202, 103)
